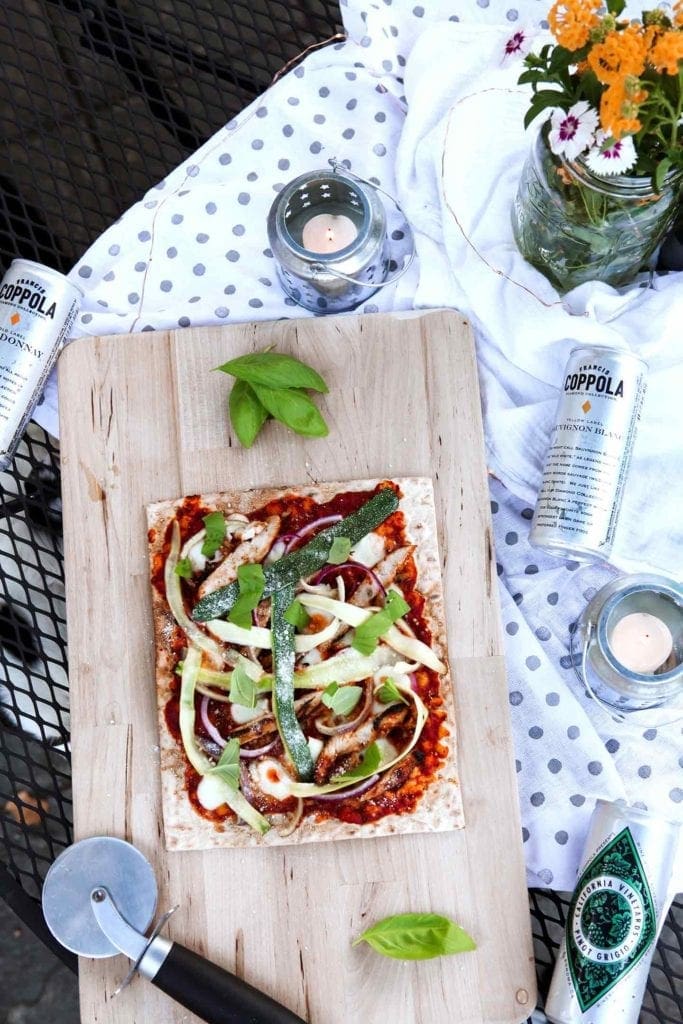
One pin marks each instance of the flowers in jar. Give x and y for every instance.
(613, 87)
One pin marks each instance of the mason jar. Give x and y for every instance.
(575, 226)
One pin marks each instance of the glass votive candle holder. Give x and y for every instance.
(630, 643)
(328, 233)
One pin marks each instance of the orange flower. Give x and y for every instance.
(678, 13)
(667, 52)
(619, 106)
(571, 21)
(620, 53)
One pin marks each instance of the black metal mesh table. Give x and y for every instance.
(98, 99)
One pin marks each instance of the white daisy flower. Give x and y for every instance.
(611, 156)
(572, 131)
(518, 45)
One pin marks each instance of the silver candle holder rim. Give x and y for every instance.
(579, 662)
(673, 592)
(323, 257)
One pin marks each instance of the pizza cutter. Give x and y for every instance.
(99, 899)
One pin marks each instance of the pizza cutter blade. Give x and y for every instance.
(99, 899)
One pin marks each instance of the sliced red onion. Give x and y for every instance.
(330, 570)
(353, 791)
(317, 524)
(257, 751)
(208, 724)
(332, 730)
(413, 682)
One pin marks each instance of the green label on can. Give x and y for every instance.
(612, 920)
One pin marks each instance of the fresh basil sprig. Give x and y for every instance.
(270, 384)
(340, 550)
(368, 633)
(243, 689)
(274, 370)
(341, 700)
(252, 584)
(389, 693)
(184, 568)
(228, 767)
(214, 524)
(417, 937)
(247, 415)
(369, 764)
(296, 615)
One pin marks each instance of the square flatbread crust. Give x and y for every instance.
(440, 808)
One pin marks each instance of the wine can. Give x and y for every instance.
(589, 453)
(614, 916)
(38, 307)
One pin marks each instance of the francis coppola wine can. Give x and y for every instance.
(590, 450)
(613, 918)
(38, 307)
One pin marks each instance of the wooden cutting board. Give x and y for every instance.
(143, 417)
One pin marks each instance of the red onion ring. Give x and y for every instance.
(332, 730)
(413, 682)
(256, 752)
(354, 791)
(208, 724)
(329, 570)
(317, 524)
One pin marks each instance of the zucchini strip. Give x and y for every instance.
(291, 734)
(174, 596)
(197, 758)
(346, 667)
(301, 564)
(409, 646)
(257, 636)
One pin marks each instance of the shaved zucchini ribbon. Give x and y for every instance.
(197, 758)
(409, 646)
(257, 636)
(349, 666)
(174, 597)
(304, 789)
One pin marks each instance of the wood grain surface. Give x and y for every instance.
(143, 418)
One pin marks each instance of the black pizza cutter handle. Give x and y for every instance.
(207, 990)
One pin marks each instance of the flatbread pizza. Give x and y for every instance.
(301, 665)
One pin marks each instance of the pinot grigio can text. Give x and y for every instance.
(589, 453)
(613, 918)
(38, 307)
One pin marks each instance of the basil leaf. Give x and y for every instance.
(228, 767)
(369, 632)
(247, 415)
(214, 524)
(389, 693)
(252, 584)
(274, 371)
(294, 408)
(184, 568)
(341, 700)
(339, 551)
(243, 689)
(367, 767)
(416, 937)
(296, 615)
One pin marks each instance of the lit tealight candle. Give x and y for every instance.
(641, 642)
(328, 232)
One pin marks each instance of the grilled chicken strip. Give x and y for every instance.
(342, 752)
(253, 550)
(386, 571)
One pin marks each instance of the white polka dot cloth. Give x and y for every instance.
(195, 250)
